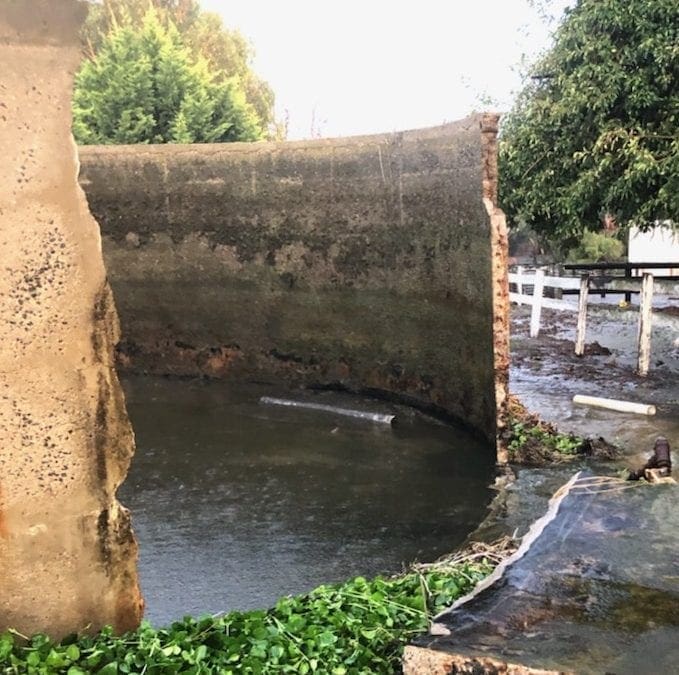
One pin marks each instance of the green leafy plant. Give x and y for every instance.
(531, 440)
(594, 131)
(527, 436)
(360, 626)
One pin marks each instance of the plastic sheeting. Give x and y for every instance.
(597, 590)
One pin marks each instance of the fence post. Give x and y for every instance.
(519, 284)
(645, 322)
(582, 315)
(537, 302)
(628, 275)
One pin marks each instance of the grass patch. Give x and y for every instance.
(360, 626)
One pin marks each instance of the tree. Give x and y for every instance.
(144, 86)
(595, 130)
(227, 52)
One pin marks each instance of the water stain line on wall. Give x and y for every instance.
(369, 264)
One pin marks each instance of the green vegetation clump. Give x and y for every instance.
(145, 85)
(597, 247)
(525, 436)
(357, 627)
(531, 440)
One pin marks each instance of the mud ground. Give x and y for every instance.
(545, 374)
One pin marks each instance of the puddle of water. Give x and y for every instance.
(236, 504)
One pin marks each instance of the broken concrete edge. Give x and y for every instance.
(67, 552)
(499, 243)
(417, 661)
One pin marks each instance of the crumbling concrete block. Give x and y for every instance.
(67, 551)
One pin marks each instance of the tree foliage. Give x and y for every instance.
(597, 247)
(595, 130)
(145, 86)
(227, 52)
(105, 16)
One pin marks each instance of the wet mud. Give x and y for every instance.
(546, 374)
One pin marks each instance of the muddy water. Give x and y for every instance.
(546, 375)
(236, 504)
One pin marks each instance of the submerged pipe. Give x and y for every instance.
(347, 412)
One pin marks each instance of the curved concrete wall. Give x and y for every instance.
(360, 262)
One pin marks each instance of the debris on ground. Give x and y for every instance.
(532, 441)
(477, 551)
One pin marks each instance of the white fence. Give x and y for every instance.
(539, 281)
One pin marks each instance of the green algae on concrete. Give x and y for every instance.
(361, 262)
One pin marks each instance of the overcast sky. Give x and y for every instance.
(367, 66)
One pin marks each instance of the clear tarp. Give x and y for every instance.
(596, 591)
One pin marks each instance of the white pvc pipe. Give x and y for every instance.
(347, 412)
(613, 404)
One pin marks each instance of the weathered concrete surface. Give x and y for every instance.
(359, 262)
(594, 588)
(499, 248)
(429, 662)
(67, 553)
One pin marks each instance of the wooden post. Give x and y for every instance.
(519, 283)
(582, 315)
(628, 275)
(645, 322)
(539, 283)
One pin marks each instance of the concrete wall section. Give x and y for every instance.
(363, 262)
(67, 553)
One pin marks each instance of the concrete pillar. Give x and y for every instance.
(67, 551)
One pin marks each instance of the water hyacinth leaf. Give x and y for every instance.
(74, 670)
(356, 627)
(73, 652)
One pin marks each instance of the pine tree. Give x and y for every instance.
(144, 86)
